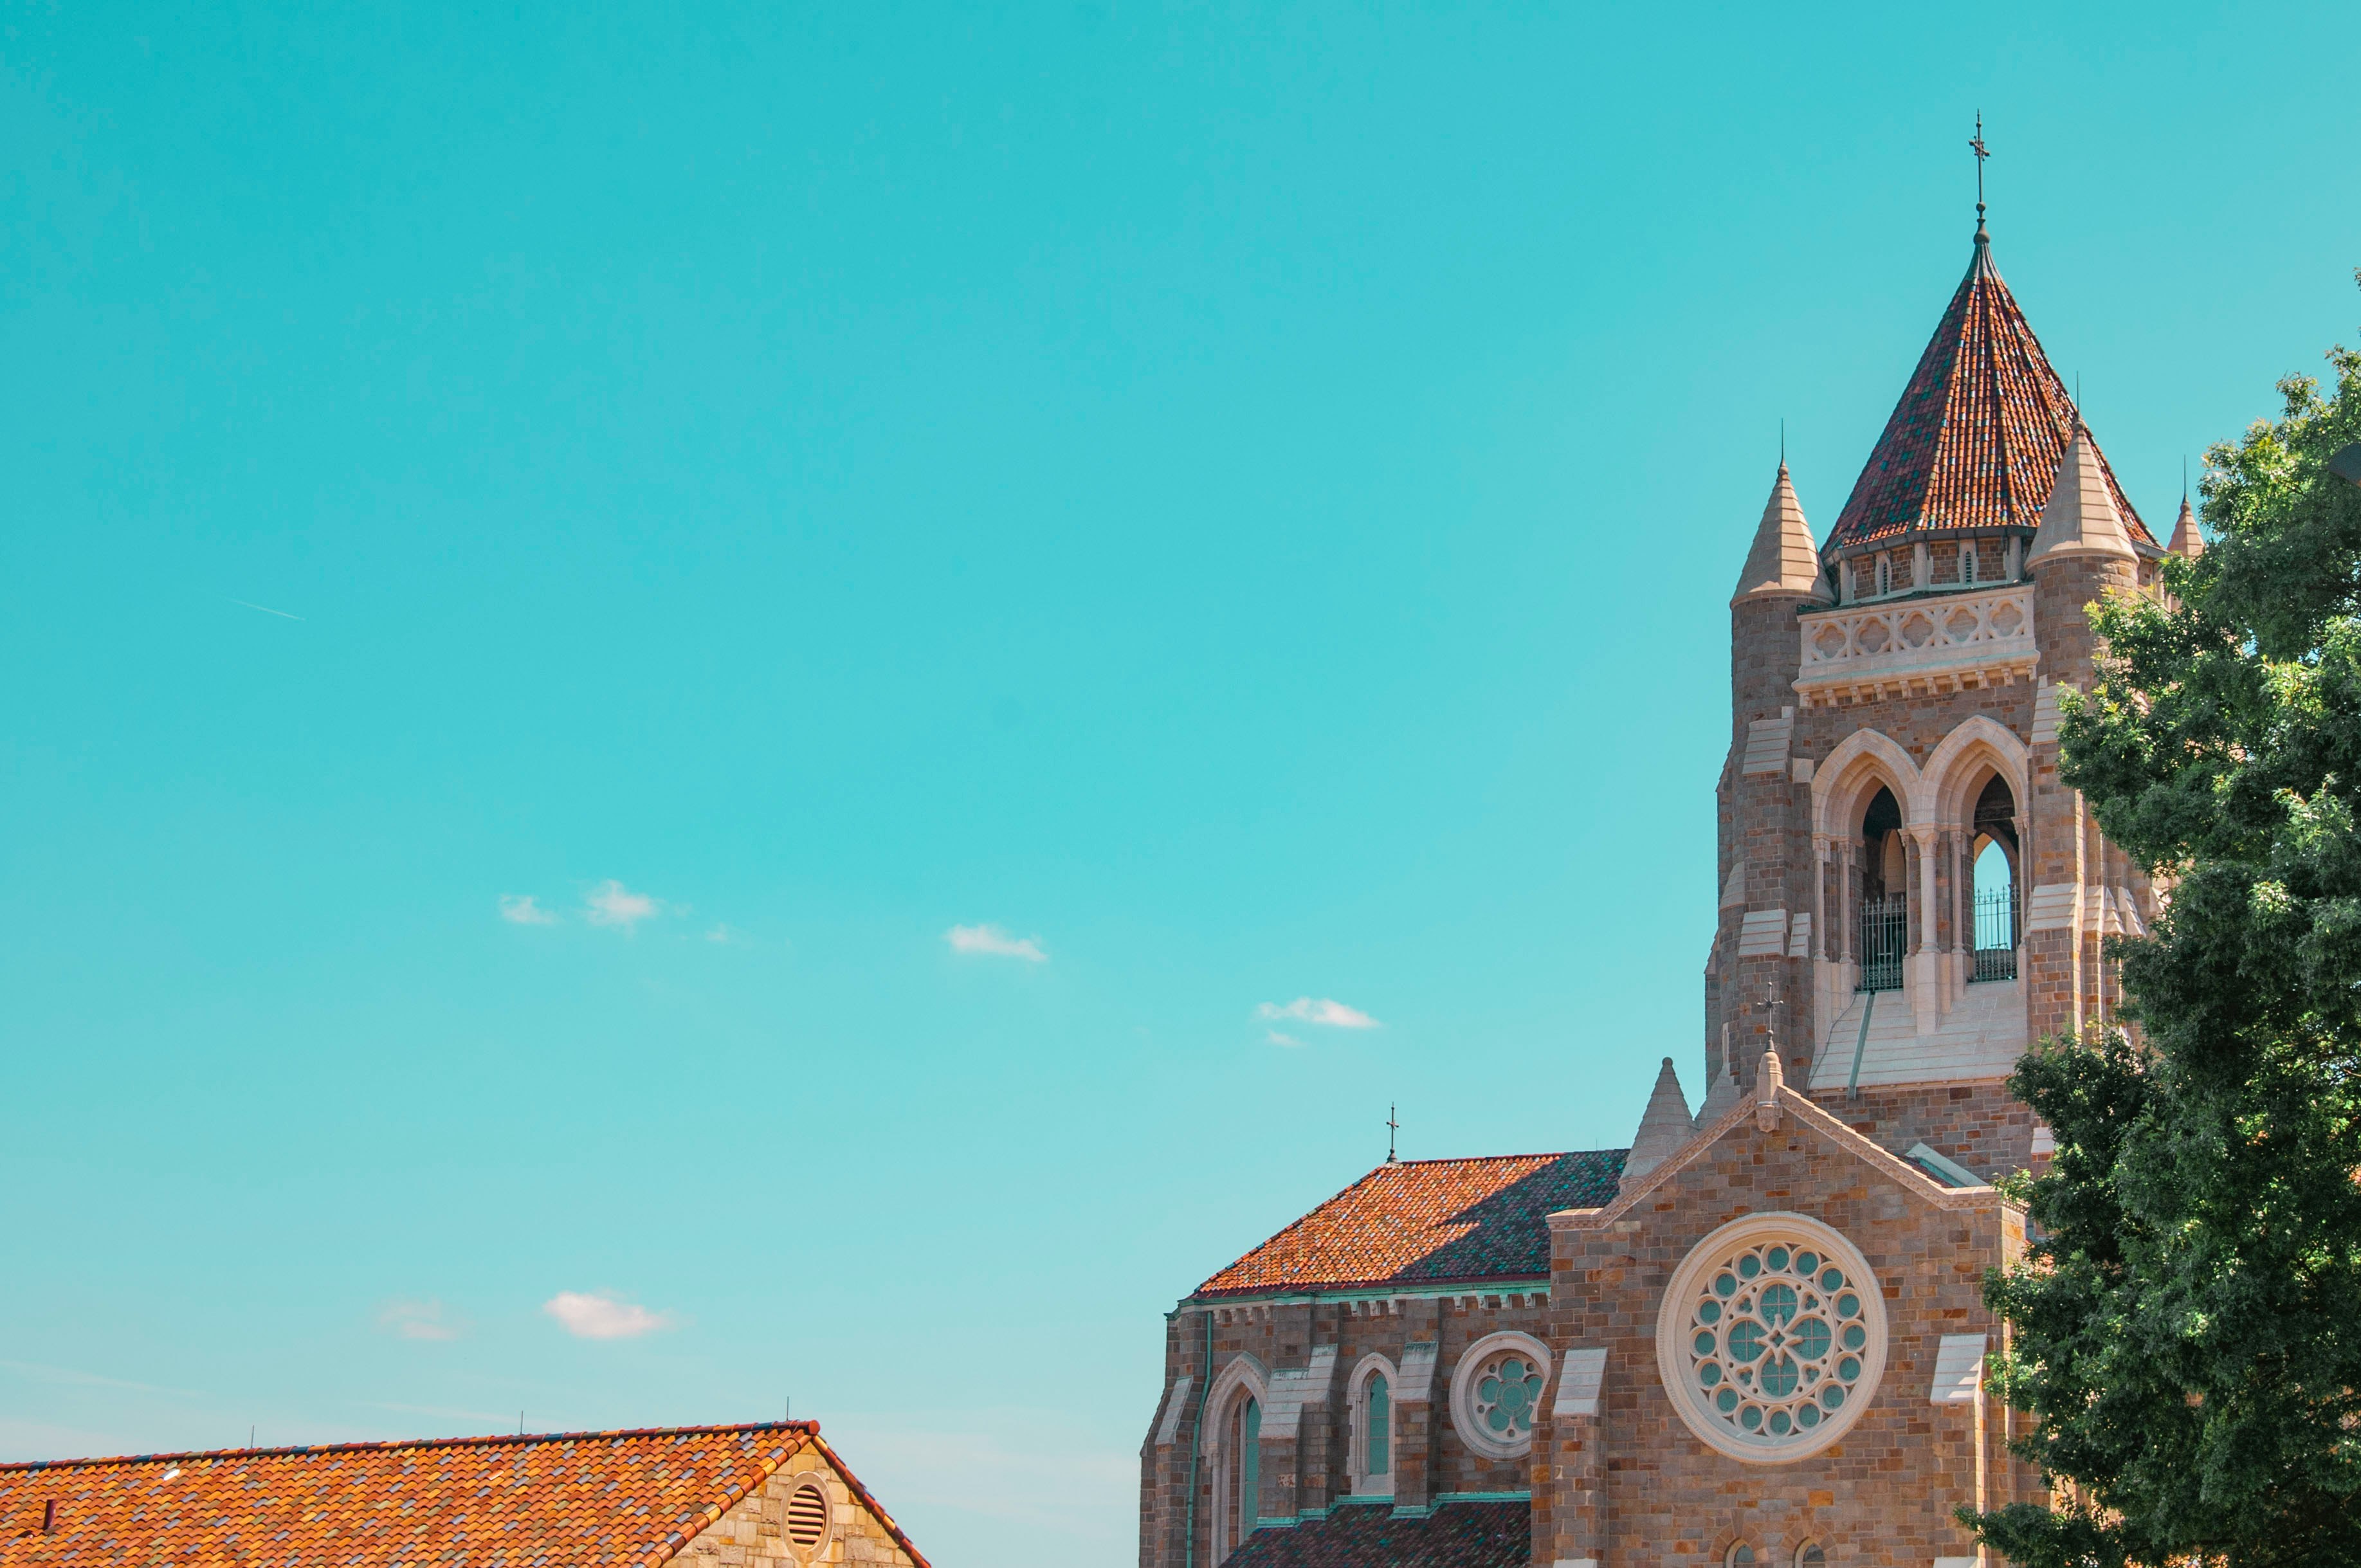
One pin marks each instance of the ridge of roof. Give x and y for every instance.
(379, 1445)
(1975, 439)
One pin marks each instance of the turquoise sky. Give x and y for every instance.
(1229, 507)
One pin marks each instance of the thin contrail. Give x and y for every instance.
(265, 609)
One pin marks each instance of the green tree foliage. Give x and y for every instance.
(2187, 1330)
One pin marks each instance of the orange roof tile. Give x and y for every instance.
(623, 1498)
(1975, 441)
(1428, 1221)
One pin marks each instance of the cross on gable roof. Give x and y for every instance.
(1975, 441)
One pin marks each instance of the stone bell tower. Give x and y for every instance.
(1908, 894)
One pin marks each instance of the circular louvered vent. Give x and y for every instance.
(808, 1516)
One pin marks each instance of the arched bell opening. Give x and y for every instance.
(1884, 938)
(1995, 857)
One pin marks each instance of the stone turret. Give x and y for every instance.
(1765, 842)
(1664, 1127)
(2082, 552)
(2186, 540)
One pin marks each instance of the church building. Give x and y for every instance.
(1756, 1337)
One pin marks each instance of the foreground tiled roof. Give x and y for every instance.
(1428, 1221)
(1975, 441)
(1458, 1535)
(623, 1498)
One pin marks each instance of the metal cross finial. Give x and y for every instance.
(1976, 144)
(1392, 1127)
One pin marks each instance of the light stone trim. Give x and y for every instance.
(1733, 890)
(1292, 1388)
(1176, 1405)
(1921, 644)
(1417, 1384)
(1799, 938)
(1243, 1371)
(1766, 744)
(1958, 1369)
(1578, 1384)
(1762, 932)
(1672, 1330)
(2052, 906)
(2045, 715)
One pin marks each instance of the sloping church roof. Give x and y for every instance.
(1975, 441)
(1457, 1535)
(624, 1497)
(1428, 1221)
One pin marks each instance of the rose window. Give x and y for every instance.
(1495, 1394)
(1507, 1389)
(1772, 1336)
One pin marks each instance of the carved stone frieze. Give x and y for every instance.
(1926, 644)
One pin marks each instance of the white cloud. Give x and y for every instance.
(612, 904)
(1324, 1010)
(602, 1315)
(519, 909)
(994, 941)
(416, 1319)
(722, 933)
(1278, 1039)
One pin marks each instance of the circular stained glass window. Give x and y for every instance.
(1495, 1394)
(1772, 1337)
(1507, 1389)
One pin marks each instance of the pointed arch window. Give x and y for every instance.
(1993, 880)
(1371, 1471)
(1241, 1470)
(1967, 560)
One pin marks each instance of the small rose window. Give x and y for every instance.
(1495, 1394)
(1507, 1389)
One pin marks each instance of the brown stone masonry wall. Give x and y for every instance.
(1980, 1124)
(1634, 1488)
(1310, 1474)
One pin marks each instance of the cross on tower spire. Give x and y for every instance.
(1976, 144)
(1392, 1127)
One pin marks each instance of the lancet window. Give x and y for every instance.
(1241, 1472)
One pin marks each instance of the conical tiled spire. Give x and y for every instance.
(1664, 1127)
(2081, 518)
(1782, 564)
(2186, 540)
(1975, 441)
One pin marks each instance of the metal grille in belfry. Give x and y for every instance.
(1884, 935)
(1996, 933)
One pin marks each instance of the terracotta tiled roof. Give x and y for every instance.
(622, 1497)
(1457, 1535)
(1975, 441)
(1428, 1221)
